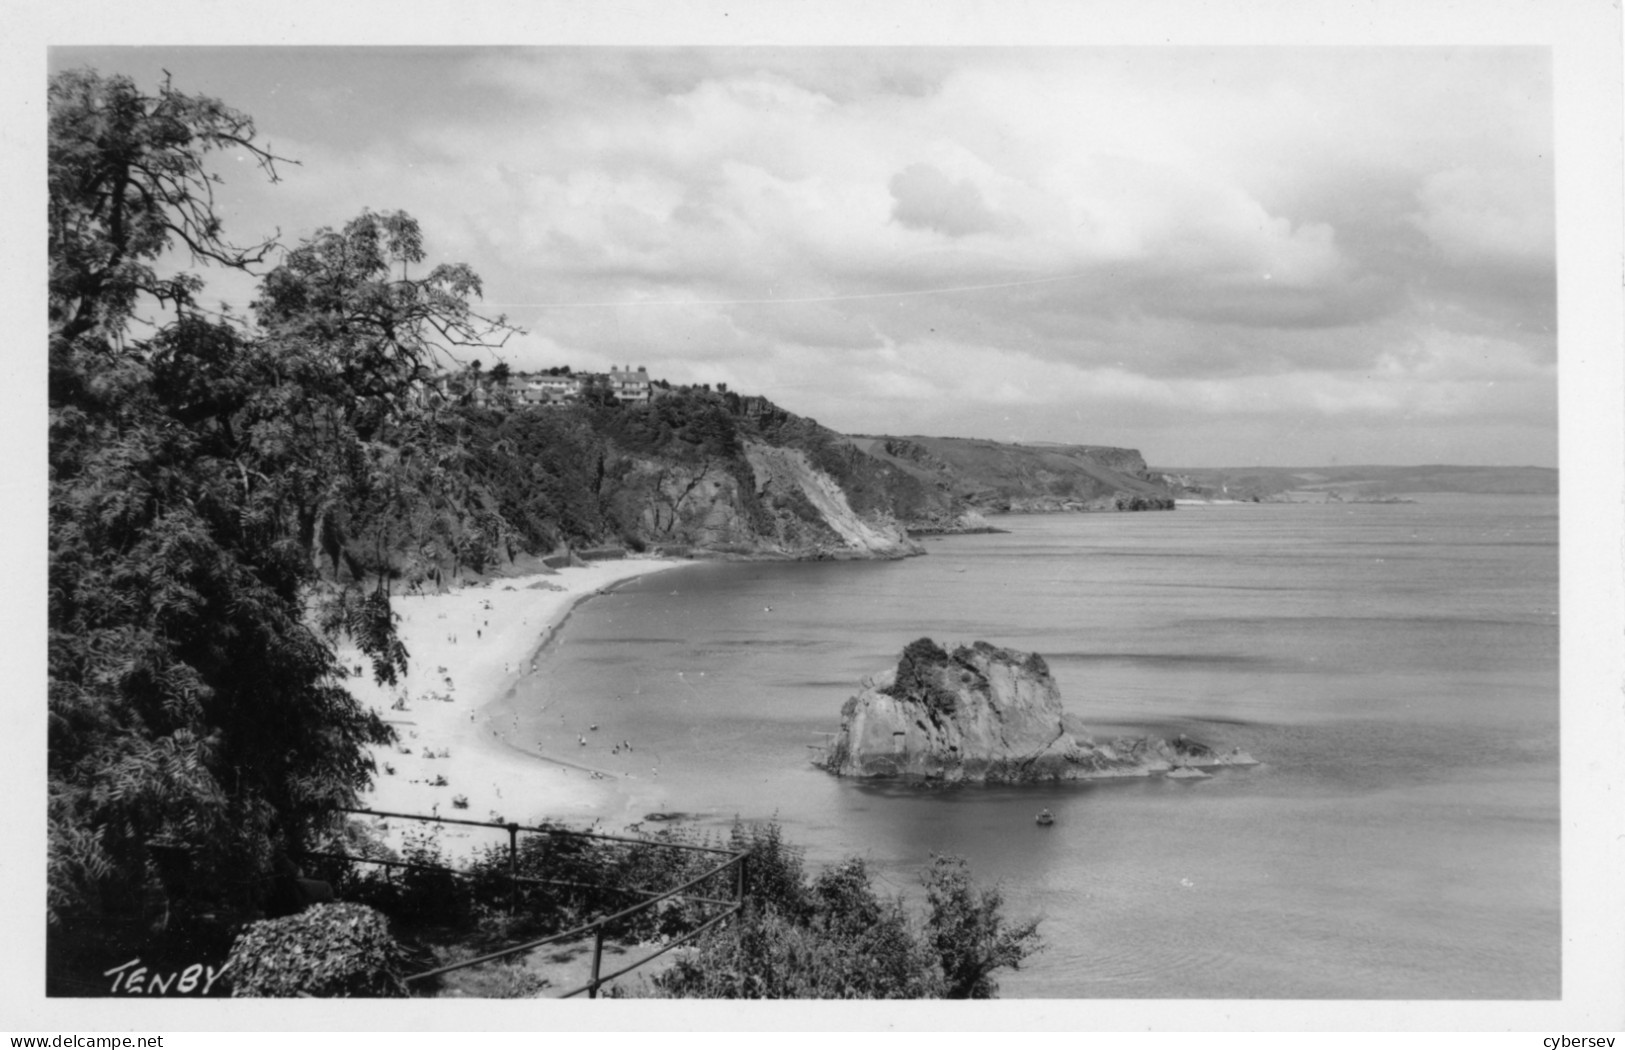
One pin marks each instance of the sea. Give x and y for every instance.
(1394, 668)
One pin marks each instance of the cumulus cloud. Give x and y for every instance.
(923, 198)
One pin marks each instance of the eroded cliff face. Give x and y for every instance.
(769, 502)
(985, 713)
(810, 509)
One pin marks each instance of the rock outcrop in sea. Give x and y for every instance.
(985, 713)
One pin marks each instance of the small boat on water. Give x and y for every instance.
(1045, 819)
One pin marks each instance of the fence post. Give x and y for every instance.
(597, 959)
(741, 879)
(513, 868)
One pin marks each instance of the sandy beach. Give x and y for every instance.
(468, 649)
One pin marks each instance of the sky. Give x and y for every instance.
(1219, 256)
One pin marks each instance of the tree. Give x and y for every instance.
(967, 929)
(196, 479)
(135, 562)
(361, 343)
(597, 392)
(376, 336)
(127, 181)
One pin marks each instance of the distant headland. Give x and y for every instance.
(1352, 484)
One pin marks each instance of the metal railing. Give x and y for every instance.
(735, 861)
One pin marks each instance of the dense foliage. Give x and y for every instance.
(196, 475)
(834, 937)
(566, 880)
(328, 951)
(825, 935)
(543, 471)
(1142, 501)
(920, 672)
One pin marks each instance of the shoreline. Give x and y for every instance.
(469, 649)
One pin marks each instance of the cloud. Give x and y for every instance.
(916, 237)
(923, 198)
(1504, 214)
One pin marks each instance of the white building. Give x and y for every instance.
(629, 385)
(549, 390)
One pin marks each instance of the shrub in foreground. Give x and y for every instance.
(329, 950)
(968, 933)
(824, 935)
(834, 937)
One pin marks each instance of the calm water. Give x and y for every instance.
(1393, 666)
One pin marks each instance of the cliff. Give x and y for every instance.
(985, 713)
(698, 472)
(995, 477)
(812, 510)
(702, 473)
(769, 501)
(721, 474)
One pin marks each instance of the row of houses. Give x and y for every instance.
(628, 385)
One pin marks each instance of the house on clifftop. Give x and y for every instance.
(550, 390)
(547, 388)
(629, 386)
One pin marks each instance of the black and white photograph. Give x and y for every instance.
(1033, 512)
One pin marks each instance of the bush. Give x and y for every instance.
(426, 893)
(967, 931)
(920, 672)
(420, 896)
(329, 950)
(835, 938)
(764, 955)
(777, 877)
(1139, 501)
(568, 880)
